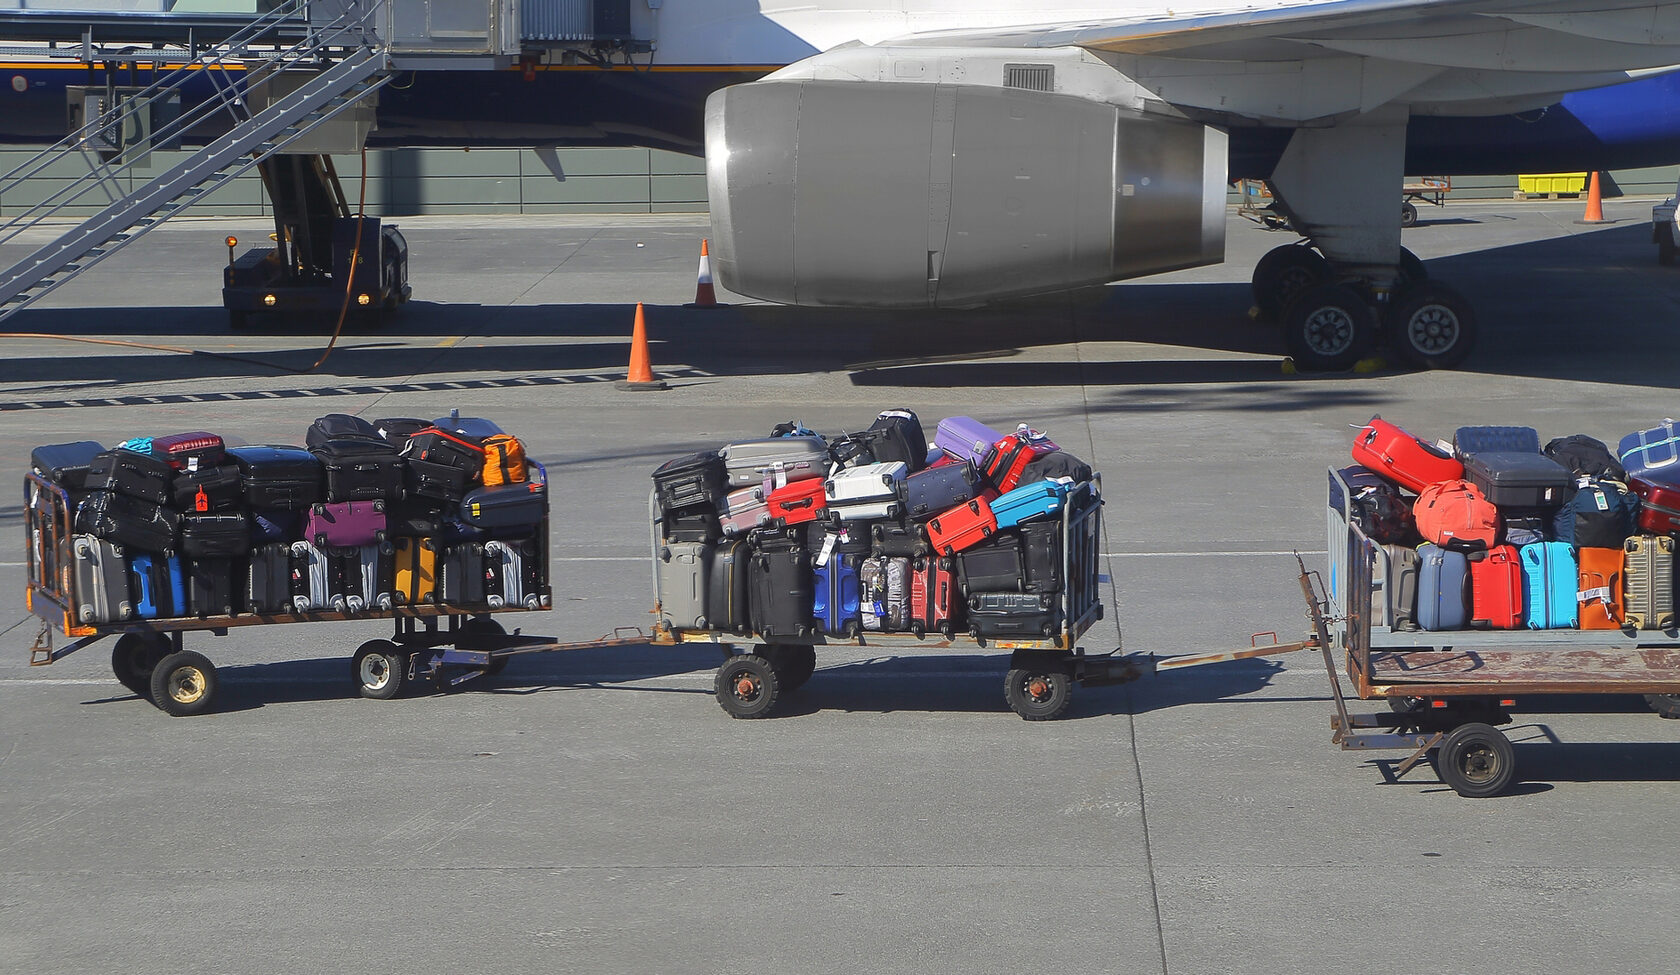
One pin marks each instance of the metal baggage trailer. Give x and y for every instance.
(1447, 690)
(448, 643)
(1042, 671)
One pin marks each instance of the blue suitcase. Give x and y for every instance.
(1486, 440)
(160, 588)
(1029, 501)
(935, 489)
(837, 608)
(1550, 585)
(1652, 454)
(1443, 586)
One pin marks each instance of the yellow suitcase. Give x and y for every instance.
(416, 570)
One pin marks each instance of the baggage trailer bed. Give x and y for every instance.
(447, 643)
(1447, 690)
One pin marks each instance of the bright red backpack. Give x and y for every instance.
(1453, 514)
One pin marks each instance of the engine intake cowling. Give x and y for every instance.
(849, 193)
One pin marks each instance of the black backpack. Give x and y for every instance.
(1586, 457)
(1601, 515)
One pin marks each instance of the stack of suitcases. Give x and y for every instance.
(364, 518)
(1494, 531)
(795, 535)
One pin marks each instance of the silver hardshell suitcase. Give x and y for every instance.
(102, 593)
(779, 459)
(515, 583)
(684, 579)
(869, 491)
(312, 569)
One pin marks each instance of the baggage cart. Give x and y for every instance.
(757, 668)
(450, 644)
(1448, 690)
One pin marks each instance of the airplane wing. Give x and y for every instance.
(1304, 61)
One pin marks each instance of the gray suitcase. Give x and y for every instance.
(780, 459)
(268, 587)
(102, 594)
(684, 579)
(1648, 582)
(516, 581)
(884, 591)
(461, 579)
(1395, 588)
(362, 580)
(313, 589)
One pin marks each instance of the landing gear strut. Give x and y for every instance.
(1330, 323)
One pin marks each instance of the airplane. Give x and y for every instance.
(951, 153)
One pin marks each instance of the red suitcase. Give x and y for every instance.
(1496, 590)
(1659, 506)
(799, 502)
(1403, 458)
(967, 524)
(1010, 456)
(186, 451)
(931, 584)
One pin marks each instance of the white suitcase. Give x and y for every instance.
(869, 491)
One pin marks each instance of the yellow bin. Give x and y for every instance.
(1553, 183)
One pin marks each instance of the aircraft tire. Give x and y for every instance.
(1431, 326)
(1284, 273)
(1328, 327)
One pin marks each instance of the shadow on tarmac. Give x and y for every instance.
(1533, 301)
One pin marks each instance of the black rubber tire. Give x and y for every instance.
(184, 683)
(1666, 705)
(1284, 273)
(794, 663)
(1040, 692)
(1412, 271)
(1476, 761)
(1431, 326)
(1408, 214)
(1666, 248)
(379, 669)
(133, 659)
(1328, 327)
(747, 686)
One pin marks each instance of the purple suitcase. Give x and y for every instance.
(346, 524)
(965, 437)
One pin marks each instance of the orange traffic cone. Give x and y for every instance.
(1595, 203)
(640, 375)
(704, 296)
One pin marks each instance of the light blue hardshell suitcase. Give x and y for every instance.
(1036, 500)
(1550, 584)
(1443, 589)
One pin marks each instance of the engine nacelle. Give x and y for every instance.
(889, 194)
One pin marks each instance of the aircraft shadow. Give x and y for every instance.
(1566, 308)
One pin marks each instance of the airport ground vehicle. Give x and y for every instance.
(1448, 690)
(448, 643)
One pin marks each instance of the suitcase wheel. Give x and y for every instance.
(918, 630)
(851, 629)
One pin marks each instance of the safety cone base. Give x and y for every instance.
(641, 386)
(704, 305)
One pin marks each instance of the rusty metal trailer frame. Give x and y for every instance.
(1447, 690)
(448, 643)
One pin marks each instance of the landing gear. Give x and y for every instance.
(1330, 321)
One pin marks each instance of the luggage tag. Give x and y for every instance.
(827, 549)
(1600, 594)
(778, 475)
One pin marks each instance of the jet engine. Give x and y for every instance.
(888, 193)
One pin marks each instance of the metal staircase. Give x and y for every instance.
(346, 61)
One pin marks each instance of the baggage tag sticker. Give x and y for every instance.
(1600, 594)
(827, 549)
(1602, 501)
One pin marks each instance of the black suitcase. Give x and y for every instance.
(442, 482)
(461, 575)
(217, 488)
(213, 586)
(397, 429)
(1491, 440)
(900, 539)
(505, 508)
(695, 525)
(144, 525)
(1519, 480)
(1041, 554)
(1011, 614)
(942, 488)
(726, 598)
(414, 518)
(897, 435)
(219, 535)
(360, 470)
(279, 477)
(781, 589)
(697, 481)
(135, 475)
(994, 565)
(65, 464)
(269, 582)
(340, 426)
(1057, 463)
(849, 538)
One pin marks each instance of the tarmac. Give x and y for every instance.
(595, 811)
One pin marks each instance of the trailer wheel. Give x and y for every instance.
(1408, 214)
(1476, 761)
(135, 657)
(486, 625)
(184, 683)
(1038, 692)
(1666, 705)
(747, 686)
(794, 664)
(379, 668)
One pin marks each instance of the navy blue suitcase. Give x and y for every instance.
(65, 464)
(936, 489)
(1443, 589)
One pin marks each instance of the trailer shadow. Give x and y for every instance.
(1205, 685)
